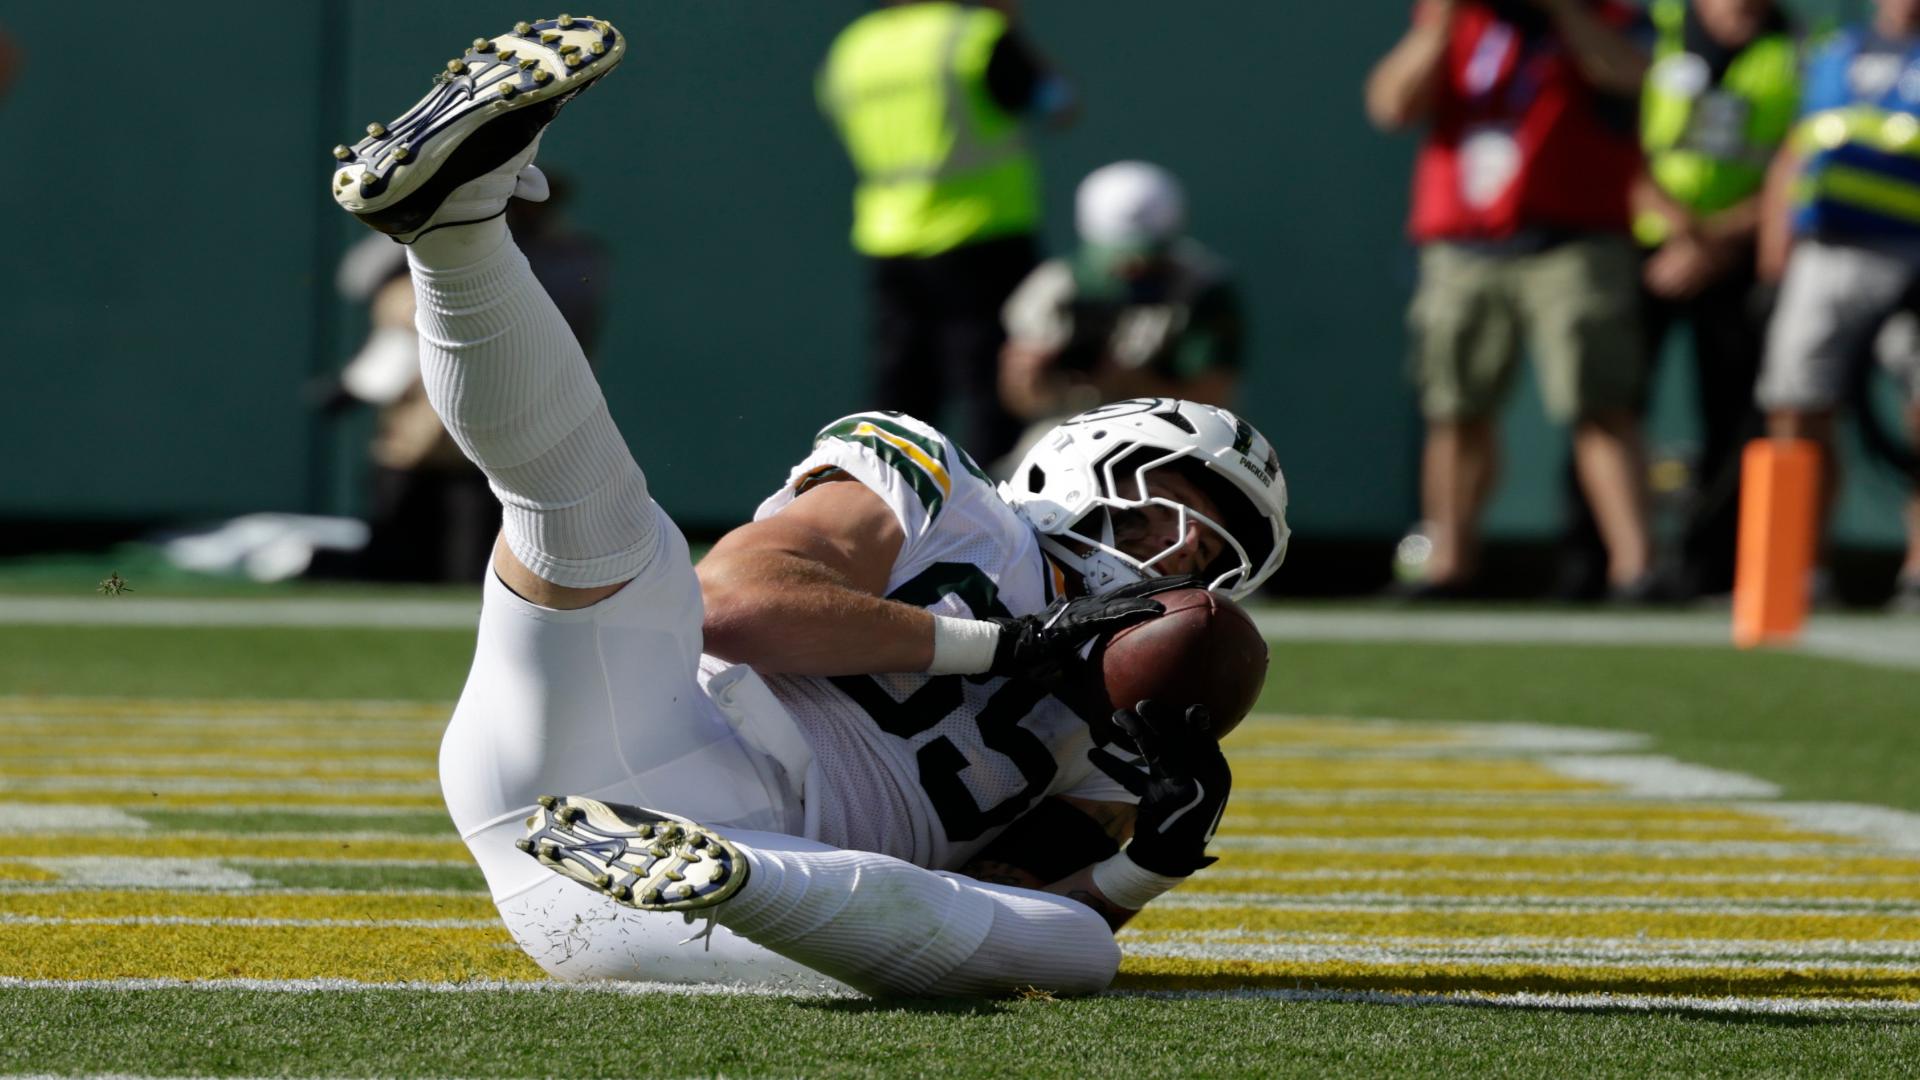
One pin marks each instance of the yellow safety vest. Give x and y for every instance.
(1708, 144)
(940, 163)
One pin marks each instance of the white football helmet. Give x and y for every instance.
(1072, 484)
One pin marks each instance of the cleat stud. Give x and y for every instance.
(376, 129)
(529, 64)
(456, 66)
(401, 153)
(507, 90)
(524, 844)
(644, 832)
(550, 850)
(548, 37)
(504, 55)
(658, 851)
(343, 152)
(652, 896)
(564, 21)
(675, 875)
(604, 881)
(569, 48)
(542, 76)
(482, 45)
(697, 842)
(573, 59)
(548, 801)
(682, 891)
(568, 814)
(622, 892)
(523, 28)
(598, 48)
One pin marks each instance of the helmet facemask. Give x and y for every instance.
(1124, 498)
(1083, 486)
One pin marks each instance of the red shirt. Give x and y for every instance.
(1517, 141)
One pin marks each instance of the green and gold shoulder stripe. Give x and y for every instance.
(919, 459)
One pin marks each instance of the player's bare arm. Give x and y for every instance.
(800, 593)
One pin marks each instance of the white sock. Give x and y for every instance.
(888, 927)
(509, 381)
(1038, 940)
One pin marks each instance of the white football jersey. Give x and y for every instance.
(930, 768)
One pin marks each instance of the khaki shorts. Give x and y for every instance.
(1575, 305)
(1838, 305)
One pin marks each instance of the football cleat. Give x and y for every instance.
(641, 858)
(483, 116)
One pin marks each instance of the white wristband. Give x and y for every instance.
(1125, 884)
(962, 646)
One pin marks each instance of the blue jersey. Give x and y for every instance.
(1860, 134)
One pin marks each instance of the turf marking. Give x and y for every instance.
(337, 789)
(430, 986)
(1509, 945)
(1519, 1000)
(34, 817)
(247, 923)
(1474, 845)
(1360, 856)
(1527, 1000)
(1887, 827)
(128, 871)
(1400, 903)
(1657, 776)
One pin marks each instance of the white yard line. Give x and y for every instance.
(1861, 638)
(1388, 960)
(249, 923)
(1521, 877)
(179, 785)
(312, 612)
(1659, 776)
(1637, 1002)
(329, 986)
(1469, 845)
(1582, 1002)
(1401, 904)
(1536, 945)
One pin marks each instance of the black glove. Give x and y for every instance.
(1041, 647)
(1186, 791)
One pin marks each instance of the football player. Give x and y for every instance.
(831, 738)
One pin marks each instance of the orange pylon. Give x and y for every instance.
(1779, 509)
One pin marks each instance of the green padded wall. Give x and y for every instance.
(167, 276)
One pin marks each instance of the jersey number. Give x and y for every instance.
(941, 762)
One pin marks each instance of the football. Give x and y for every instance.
(1204, 650)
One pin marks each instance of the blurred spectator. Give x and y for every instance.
(1720, 99)
(571, 264)
(430, 514)
(1140, 310)
(931, 99)
(1842, 231)
(1520, 209)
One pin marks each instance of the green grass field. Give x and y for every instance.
(222, 853)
